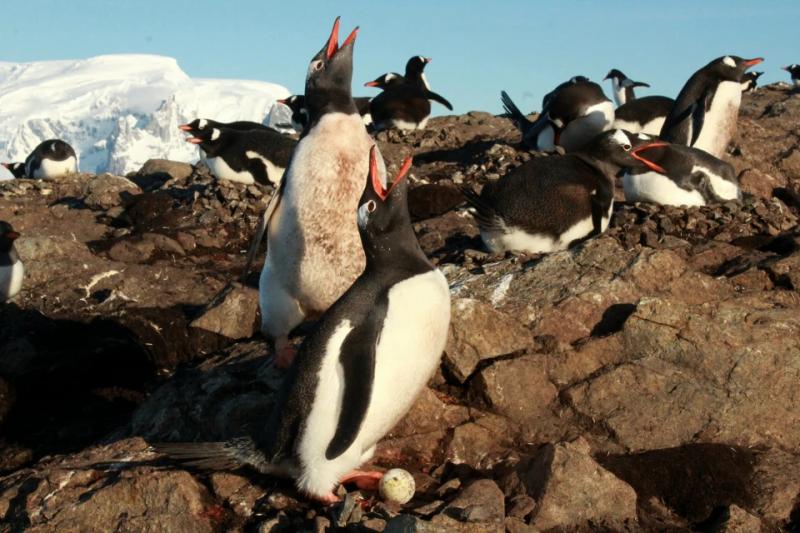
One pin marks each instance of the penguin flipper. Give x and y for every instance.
(226, 455)
(263, 224)
(698, 111)
(439, 98)
(357, 357)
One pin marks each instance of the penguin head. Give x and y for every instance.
(385, 80)
(17, 169)
(297, 103)
(623, 149)
(416, 65)
(793, 69)
(382, 206)
(330, 74)
(209, 139)
(750, 81)
(732, 68)
(7, 237)
(195, 126)
(617, 75)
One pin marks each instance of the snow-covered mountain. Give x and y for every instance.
(118, 111)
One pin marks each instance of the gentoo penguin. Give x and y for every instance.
(245, 156)
(361, 368)
(385, 80)
(550, 203)
(674, 174)
(313, 247)
(11, 269)
(572, 115)
(17, 169)
(707, 108)
(794, 72)
(297, 104)
(623, 86)
(199, 125)
(750, 81)
(51, 159)
(405, 104)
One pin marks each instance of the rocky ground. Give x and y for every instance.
(645, 381)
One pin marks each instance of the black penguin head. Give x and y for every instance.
(209, 139)
(386, 80)
(382, 207)
(750, 81)
(196, 126)
(330, 74)
(7, 237)
(17, 169)
(622, 149)
(793, 69)
(297, 104)
(615, 74)
(416, 65)
(731, 68)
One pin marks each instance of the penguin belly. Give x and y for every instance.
(274, 172)
(546, 140)
(659, 189)
(597, 119)
(652, 127)
(719, 123)
(409, 349)
(50, 168)
(724, 189)
(220, 168)
(11, 280)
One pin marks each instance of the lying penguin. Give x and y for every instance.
(361, 368)
(572, 115)
(674, 174)
(17, 170)
(251, 156)
(51, 159)
(199, 125)
(11, 270)
(551, 203)
(794, 73)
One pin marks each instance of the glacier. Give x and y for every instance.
(118, 111)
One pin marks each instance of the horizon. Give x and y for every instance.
(477, 53)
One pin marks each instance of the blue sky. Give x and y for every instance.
(479, 48)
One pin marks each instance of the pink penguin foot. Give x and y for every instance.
(284, 357)
(364, 480)
(328, 499)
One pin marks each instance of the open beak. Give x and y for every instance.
(194, 140)
(377, 186)
(283, 101)
(649, 164)
(333, 40)
(185, 127)
(751, 62)
(12, 235)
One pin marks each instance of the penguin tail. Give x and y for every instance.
(513, 111)
(484, 214)
(227, 455)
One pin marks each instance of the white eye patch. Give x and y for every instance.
(215, 133)
(620, 138)
(728, 60)
(363, 213)
(202, 124)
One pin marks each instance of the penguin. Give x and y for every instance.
(361, 368)
(297, 104)
(552, 203)
(253, 156)
(51, 159)
(199, 125)
(675, 174)
(750, 81)
(707, 108)
(16, 169)
(11, 270)
(572, 115)
(643, 115)
(385, 80)
(313, 248)
(794, 72)
(623, 86)
(405, 104)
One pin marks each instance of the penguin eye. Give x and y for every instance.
(626, 147)
(317, 65)
(371, 205)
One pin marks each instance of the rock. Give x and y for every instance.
(164, 243)
(238, 492)
(132, 251)
(474, 443)
(573, 491)
(480, 501)
(107, 191)
(161, 170)
(737, 520)
(477, 333)
(235, 316)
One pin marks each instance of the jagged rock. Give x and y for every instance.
(106, 191)
(480, 501)
(235, 316)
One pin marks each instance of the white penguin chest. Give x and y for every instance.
(11, 280)
(53, 169)
(220, 168)
(658, 188)
(719, 123)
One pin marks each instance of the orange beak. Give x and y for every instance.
(373, 83)
(649, 164)
(194, 140)
(755, 61)
(333, 40)
(185, 127)
(377, 186)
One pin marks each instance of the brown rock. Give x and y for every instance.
(477, 333)
(129, 251)
(107, 191)
(166, 168)
(739, 521)
(237, 491)
(480, 501)
(234, 316)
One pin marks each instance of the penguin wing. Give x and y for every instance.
(357, 357)
(698, 110)
(512, 109)
(439, 98)
(263, 224)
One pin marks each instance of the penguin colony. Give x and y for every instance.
(341, 248)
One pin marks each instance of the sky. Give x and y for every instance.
(478, 48)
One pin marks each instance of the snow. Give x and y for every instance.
(118, 111)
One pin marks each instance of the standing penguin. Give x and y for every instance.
(11, 270)
(707, 108)
(252, 156)
(16, 169)
(297, 104)
(623, 86)
(550, 203)
(572, 115)
(645, 115)
(674, 174)
(750, 81)
(51, 159)
(361, 368)
(794, 72)
(313, 248)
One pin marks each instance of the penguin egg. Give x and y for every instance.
(397, 486)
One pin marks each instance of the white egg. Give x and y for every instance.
(397, 486)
